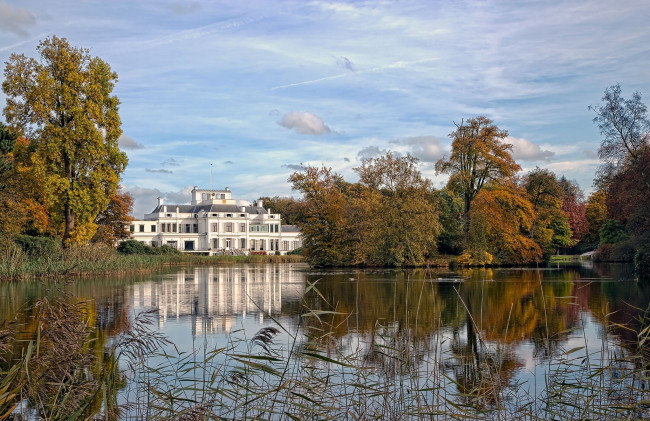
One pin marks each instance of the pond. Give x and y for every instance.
(287, 342)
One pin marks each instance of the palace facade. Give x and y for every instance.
(214, 224)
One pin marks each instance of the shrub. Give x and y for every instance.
(642, 259)
(38, 246)
(299, 251)
(134, 247)
(624, 251)
(166, 249)
(474, 258)
(604, 253)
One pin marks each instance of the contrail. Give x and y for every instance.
(397, 64)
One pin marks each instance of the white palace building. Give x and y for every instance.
(214, 224)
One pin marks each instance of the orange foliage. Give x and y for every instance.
(501, 220)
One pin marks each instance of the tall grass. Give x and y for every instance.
(307, 373)
(394, 378)
(15, 264)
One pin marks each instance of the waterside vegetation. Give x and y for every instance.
(38, 258)
(422, 363)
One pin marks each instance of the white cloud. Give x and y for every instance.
(345, 63)
(15, 20)
(127, 142)
(292, 167)
(304, 123)
(185, 8)
(370, 152)
(180, 197)
(145, 199)
(170, 162)
(525, 150)
(425, 148)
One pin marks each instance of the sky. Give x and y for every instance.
(240, 94)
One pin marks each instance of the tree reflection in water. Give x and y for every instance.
(380, 341)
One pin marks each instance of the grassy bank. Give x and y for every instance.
(568, 258)
(16, 264)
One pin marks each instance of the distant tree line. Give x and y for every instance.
(487, 213)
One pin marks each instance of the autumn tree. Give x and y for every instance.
(550, 228)
(324, 228)
(501, 221)
(290, 209)
(63, 104)
(478, 156)
(596, 214)
(402, 209)
(625, 128)
(628, 200)
(573, 204)
(22, 209)
(12, 213)
(112, 222)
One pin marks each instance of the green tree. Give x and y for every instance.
(451, 236)
(478, 156)
(63, 103)
(550, 228)
(405, 223)
(612, 232)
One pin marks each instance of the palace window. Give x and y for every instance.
(153, 228)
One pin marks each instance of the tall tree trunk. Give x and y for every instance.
(68, 213)
(69, 225)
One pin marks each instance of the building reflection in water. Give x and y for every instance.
(211, 299)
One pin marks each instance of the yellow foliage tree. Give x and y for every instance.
(478, 156)
(63, 103)
(501, 220)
